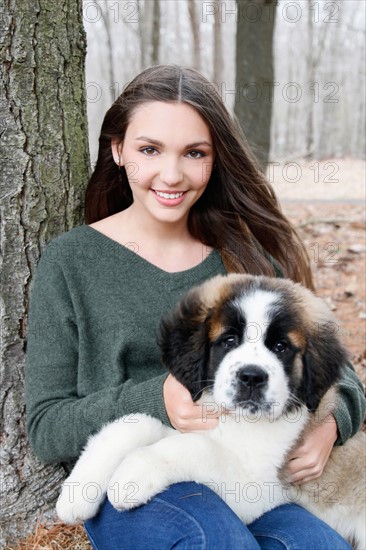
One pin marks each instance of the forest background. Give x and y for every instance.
(291, 71)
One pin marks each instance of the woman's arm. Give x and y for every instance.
(307, 461)
(350, 411)
(60, 416)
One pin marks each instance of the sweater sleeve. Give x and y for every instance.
(59, 421)
(351, 406)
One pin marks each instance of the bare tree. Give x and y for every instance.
(145, 17)
(217, 49)
(44, 155)
(311, 79)
(156, 33)
(107, 24)
(315, 50)
(149, 31)
(254, 72)
(195, 28)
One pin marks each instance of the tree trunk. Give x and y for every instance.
(217, 49)
(254, 72)
(107, 24)
(44, 155)
(311, 84)
(156, 33)
(196, 35)
(146, 16)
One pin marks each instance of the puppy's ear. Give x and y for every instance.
(184, 344)
(323, 360)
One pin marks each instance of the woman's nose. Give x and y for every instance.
(171, 172)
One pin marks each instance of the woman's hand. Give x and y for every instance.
(307, 461)
(183, 413)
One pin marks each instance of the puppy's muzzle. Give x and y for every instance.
(251, 383)
(252, 377)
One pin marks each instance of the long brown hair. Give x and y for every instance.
(238, 214)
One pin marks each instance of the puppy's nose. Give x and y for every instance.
(252, 376)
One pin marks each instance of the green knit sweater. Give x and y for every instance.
(92, 352)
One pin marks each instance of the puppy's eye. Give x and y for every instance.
(280, 346)
(229, 342)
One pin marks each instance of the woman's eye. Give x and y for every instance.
(280, 346)
(149, 151)
(196, 154)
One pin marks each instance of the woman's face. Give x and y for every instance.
(168, 156)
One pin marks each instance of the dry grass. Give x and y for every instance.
(54, 537)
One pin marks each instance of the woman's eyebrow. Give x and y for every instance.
(160, 144)
(198, 144)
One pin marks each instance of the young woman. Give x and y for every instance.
(175, 198)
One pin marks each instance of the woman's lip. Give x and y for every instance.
(169, 202)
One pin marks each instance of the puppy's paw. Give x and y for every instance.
(79, 501)
(136, 481)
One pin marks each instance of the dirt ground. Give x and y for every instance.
(330, 218)
(334, 237)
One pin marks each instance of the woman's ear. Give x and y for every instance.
(117, 152)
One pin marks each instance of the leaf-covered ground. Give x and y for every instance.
(334, 234)
(55, 537)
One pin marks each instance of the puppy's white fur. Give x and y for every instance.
(239, 460)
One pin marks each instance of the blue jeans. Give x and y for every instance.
(188, 516)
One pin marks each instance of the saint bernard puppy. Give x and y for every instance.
(265, 353)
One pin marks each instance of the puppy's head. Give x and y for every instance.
(254, 342)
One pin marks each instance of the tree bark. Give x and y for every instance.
(146, 16)
(156, 33)
(196, 35)
(44, 171)
(255, 72)
(107, 24)
(217, 49)
(311, 83)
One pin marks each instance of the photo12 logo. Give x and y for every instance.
(252, 492)
(253, 12)
(122, 12)
(240, 414)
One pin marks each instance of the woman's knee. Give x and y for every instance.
(212, 521)
(186, 516)
(291, 527)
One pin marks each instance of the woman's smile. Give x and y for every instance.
(168, 198)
